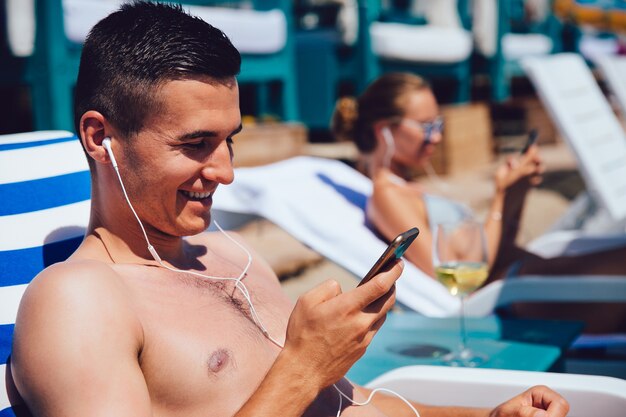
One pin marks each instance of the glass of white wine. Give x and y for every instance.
(461, 266)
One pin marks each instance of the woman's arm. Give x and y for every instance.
(512, 181)
(395, 208)
(493, 226)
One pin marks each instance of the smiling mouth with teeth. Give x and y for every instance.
(192, 195)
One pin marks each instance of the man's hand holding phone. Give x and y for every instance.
(394, 251)
(329, 330)
(390, 257)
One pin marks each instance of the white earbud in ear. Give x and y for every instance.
(106, 142)
(391, 146)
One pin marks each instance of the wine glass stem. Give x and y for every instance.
(463, 332)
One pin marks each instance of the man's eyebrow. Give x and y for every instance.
(206, 134)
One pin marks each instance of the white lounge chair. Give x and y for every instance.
(436, 385)
(586, 121)
(321, 203)
(613, 69)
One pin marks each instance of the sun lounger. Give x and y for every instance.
(587, 395)
(596, 220)
(586, 121)
(321, 202)
(44, 209)
(613, 70)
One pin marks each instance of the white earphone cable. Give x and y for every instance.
(390, 150)
(240, 286)
(371, 396)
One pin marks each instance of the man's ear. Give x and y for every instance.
(93, 129)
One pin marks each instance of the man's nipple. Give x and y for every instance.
(218, 360)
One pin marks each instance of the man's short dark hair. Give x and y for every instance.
(129, 54)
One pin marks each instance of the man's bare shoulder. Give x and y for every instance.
(76, 331)
(74, 289)
(74, 279)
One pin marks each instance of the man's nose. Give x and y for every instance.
(219, 165)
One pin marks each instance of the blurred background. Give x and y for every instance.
(313, 52)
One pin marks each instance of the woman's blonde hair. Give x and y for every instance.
(385, 98)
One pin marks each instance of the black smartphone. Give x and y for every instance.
(532, 138)
(395, 250)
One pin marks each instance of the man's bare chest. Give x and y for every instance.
(201, 347)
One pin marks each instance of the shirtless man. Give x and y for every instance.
(113, 332)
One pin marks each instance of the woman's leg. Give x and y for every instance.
(608, 262)
(599, 317)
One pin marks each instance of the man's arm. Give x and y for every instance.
(538, 401)
(77, 344)
(328, 331)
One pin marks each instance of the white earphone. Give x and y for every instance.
(391, 146)
(106, 142)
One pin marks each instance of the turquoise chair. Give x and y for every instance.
(326, 65)
(52, 68)
(280, 67)
(49, 71)
(454, 65)
(265, 69)
(515, 31)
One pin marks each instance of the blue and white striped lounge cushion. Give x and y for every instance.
(44, 210)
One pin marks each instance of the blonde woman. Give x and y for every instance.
(396, 125)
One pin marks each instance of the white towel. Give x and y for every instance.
(320, 202)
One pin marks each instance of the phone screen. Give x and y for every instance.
(395, 250)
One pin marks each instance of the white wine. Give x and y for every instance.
(461, 278)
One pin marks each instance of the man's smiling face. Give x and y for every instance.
(175, 163)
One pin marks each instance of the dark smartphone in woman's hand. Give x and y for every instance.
(532, 138)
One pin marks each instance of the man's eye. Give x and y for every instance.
(193, 145)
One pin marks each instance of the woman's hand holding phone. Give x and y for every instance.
(532, 138)
(525, 168)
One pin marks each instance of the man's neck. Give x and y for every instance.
(124, 242)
